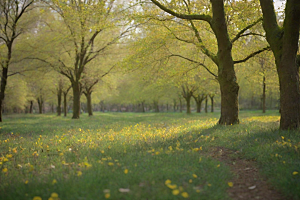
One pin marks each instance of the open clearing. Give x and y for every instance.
(148, 156)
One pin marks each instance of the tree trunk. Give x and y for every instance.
(206, 104)
(180, 105)
(88, 96)
(143, 106)
(229, 101)
(156, 107)
(188, 104)
(226, 74)
(3, 87)
(31, 107)
(59, 94)
(65, 103)
(264, 95)
(284, 45)
(198, 99)
(40, 103)
(212, 103)
(174, 105)
(76, 99)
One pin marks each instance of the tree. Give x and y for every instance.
(91, 28)
(11, 13)
(223, 59)
(283, 41)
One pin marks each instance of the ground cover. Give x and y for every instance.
(143, 156)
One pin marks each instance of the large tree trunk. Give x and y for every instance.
(229, 102)
(284, 45)
(226, 74)
(88, 96)
(264, 95)
(3, 87)
(76, 99)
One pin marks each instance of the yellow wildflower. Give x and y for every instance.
(4, 170)
(37, 198)
(185, 195)
(190, 181)
(79, 173)
(175, 192)
(295, 173)
(195, 176)
(172, 186)
(107, 195)
(168, 181)
(54, 181)
(230, 184)
(125, 171)
(54, 195)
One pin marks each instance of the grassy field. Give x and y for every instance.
(139, 156)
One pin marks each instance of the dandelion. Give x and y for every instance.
(172, 186)
(168, 181)
(54, 195)
(125, 171)
(110, 164)
(107, 195)
(218, 165)
(26, 182)
(54, 181)
(79, 173)
(185, 195)
(175, 192)
(195, 176)
(230, 184)
(37, 198)
(190, 181)
(4, 170)
(295, 173)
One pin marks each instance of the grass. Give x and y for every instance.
(139, 156)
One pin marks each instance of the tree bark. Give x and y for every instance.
(31, 107)
(88, 96)
(198, 100)
(284, 45)
(206, 100)
(40, 103)
(188, 104)
(264, 95)
(226, 74)
(59, 94)
(3, 87)
(156, 107)
(76, 100)
(211, 96)
(180, 105)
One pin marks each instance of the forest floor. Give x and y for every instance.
(148, 156)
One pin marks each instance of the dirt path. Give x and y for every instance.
(247, 183)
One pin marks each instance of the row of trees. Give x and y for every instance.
(191, 50)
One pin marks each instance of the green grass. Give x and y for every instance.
(88, 158)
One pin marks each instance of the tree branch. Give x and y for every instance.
(201, 64)
(202, 17)
(245, 29)
(252, 55)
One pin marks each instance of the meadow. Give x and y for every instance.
(141, 156)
